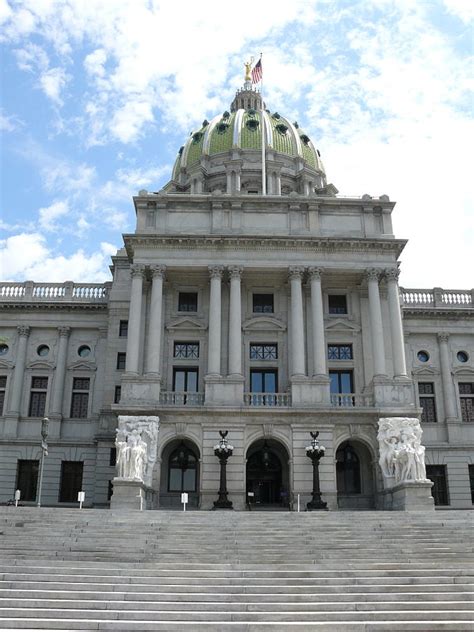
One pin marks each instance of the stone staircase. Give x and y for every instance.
(67, 569)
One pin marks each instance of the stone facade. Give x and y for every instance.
(269, 316)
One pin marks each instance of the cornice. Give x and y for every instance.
(49, 305)
(443, 312)
(247, 242)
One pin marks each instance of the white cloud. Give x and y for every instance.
(49, 215)
(26, 256)
(52, 82)
(463, 9)
(9, 123)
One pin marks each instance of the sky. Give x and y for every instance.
(97, 96)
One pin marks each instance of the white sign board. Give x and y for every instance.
(184, 497)
(81, 496)
(17, 494)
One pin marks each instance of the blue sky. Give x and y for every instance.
(98, 96)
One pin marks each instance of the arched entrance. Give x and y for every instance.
(267, 475)
(180, 472)
(355, 476)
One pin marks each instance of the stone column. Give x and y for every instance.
(19, 372)
(297, 322)
(376, 328)
(396, 327)
(153, 365)
(235, 322)
(137, 272)
(317, 321)
(214, 355)
(448, 387)
(60, 373)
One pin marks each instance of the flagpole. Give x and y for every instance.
(264, 174)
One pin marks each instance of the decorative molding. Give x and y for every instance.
(185, 323)
(263, 323)
(235, 272)
(216, 272)
(158, 271)
(340, 325)
(23, 330)
(425, 371)
(64, 332)
(180, 428)
(372, 274)
(296, 272)
(443, 337)
(267, 430)
(137, 270)
(315, 273)
(392, 274)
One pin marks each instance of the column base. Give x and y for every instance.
(393, 392)
(306, 391)
(222, 504)
(139, 390)
(409, 496)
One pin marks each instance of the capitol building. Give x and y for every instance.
(265, 307)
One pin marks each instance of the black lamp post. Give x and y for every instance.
(315, 452)
(223, 451)
(44, 454)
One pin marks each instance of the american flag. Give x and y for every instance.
(257, 72)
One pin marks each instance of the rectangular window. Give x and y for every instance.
(439, 491)
(117, 394)
(186, 350)
(342, 387)
(80, 397)
(466, 396)
(113, 457)
(110, 490)
(27, 479)
(185, 380)
(187, 302)
(3, 385)
(426, 395)
(262, 303)
(263, 351)
(39, 390)
(71, 481)
(471, 481)
(337, 303)
(264, 381)
(340, 352)
(123, 328)
(121, 360)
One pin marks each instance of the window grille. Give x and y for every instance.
(39, 390)
(3, 385)
(262, 303)
(80, 397)
(340, 352)
(186, 350)
(123, 328)
(427, 402)
(466, 396)
(121, 360)
(264, 351)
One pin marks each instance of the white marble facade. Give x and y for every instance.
(267, 316)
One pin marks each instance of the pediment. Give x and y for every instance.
(463, 370)
(186, 323)
(82, 366)
(6, 364)
(40, 364)
(342, 325)
(263, 323)
(425, 370)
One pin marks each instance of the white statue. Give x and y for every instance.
(402, 457)
(136, 442)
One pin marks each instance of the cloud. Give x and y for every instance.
(9, 123)
(52, 82)
(27, 257)
(49, 215)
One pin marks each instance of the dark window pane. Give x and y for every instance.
(439, 491)
(428, 406)
(186, 350)
(187, 302)
(192, 381)
(337, 304)
(37, 404)
(27, 479)
(347, 470)
(117, 394)
(175, 480)
(123, 328)
(179, 380)
(426, 388)
(189, 480)
(110, 490)
(39, 382)
(71, 481)
(121, 359)
(471, 481)
(467, 408)
(346, 382)
(81, 384)
(466, 388)
(113, 456)
(341, 381)
(264, 381)
(79, 405)
(263, 303)
(264, 351)
(340, 352)
(185, 379)
(3, 381)
(2, 401)
(256, 382)
(270, 383)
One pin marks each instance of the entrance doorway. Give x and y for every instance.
(267, 475)
(355, 476)
(179, 473)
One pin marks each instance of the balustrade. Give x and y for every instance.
(437, 297)
(29, 291)
(181, 398)
(351, 400)
(267, 399)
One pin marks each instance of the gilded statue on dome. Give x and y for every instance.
(248, 66)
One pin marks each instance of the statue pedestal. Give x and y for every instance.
(409, 496)
(126, 496)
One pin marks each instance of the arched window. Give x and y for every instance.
(182, 472)
(348, 470)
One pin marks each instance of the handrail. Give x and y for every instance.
(53, 292)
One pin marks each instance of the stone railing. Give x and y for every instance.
(351, 400)
(181, 398)
(267, 399)
(437, 297)
(55, 292)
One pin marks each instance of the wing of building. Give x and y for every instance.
(267, 316)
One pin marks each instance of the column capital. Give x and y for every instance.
(64, 332)
(23, 331)
(235, 272)
(295, 272)
(372, 274)
(392, 274)
(216, 272)
(315, 273)
(137, 270)
(443, 336)
(158, 271)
